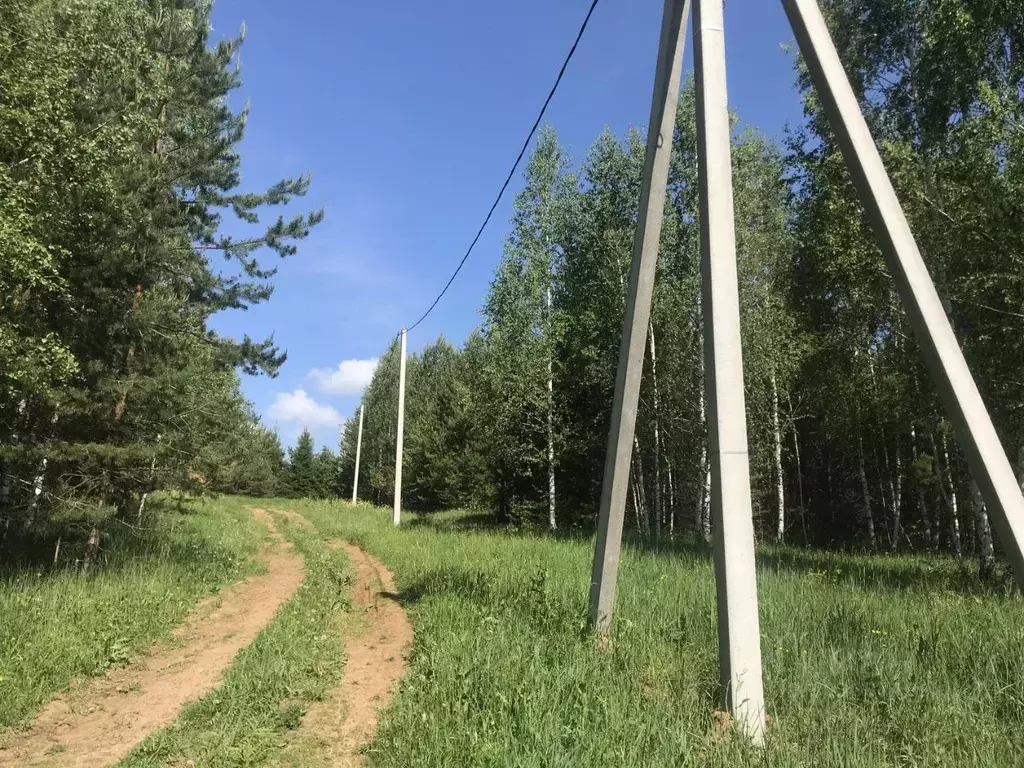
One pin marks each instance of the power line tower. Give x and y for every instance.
(738, 625)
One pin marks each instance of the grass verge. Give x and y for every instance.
(885, 661)
(296, 660)
(58, 625)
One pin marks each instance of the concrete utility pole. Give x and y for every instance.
(401, 432)
(739, 637)
(638, 313)
(359, 450)
(989, 464)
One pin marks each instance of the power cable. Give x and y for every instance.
(515, 165)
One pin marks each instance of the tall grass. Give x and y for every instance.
(56, 625)
(869, 661)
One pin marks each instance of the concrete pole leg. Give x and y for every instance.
(638, 311)
(739, 639)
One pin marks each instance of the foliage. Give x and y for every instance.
(118, 160)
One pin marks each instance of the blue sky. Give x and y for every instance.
(408, 115)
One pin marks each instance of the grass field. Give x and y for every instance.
(887, 661)
(869, 661)
(56, 625)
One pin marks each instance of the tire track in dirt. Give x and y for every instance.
(344, 723)
(100, 722)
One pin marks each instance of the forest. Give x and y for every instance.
(849, 447)
(123, 230)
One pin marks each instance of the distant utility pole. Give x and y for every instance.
(359, 450)
(401, 431)
(989, 464)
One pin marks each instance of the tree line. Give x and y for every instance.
(849, 445)
(123, 230)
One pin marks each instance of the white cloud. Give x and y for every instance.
(299, 408)
(350, 377)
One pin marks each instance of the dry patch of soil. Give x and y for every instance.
(100, 722)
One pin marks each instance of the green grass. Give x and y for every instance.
(887, 661)
(869, 661)
(296, 660)
(56, 625)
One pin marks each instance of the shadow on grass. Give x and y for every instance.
(472, 521)
(122, 546)
(528, 597)
(884, 572)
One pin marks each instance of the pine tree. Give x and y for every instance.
(118, 158)
(303, 472)
(326, 466)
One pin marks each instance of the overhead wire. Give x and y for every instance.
(515, 165)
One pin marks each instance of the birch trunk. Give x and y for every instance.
(92, 550)
(780, 531)
(953, 507)
(643, 511)
(37, 491)
(152, 472)
(704, 487)
(869, 515)
(799, 483)
(897, 521)
(894, 503)
(636, 501)
(658, 497)
(921, 501)
(986, 551)
(706, 500)
(671, 501)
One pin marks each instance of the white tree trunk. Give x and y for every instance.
(780, 531)
(142, 502)
(671, 501)
(953, 508)
(704, 487)
(800, 485)
(658, 498)
(92, 550)
(37, 491)
(926, 519)
(897, 513)
(894, 502)
(638, 484)
(869, 515)
(986, 551)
